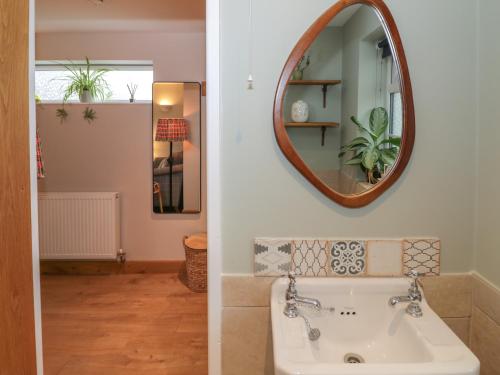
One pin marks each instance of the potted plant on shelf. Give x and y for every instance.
(374, 150)
(86, 83)
(298, 72)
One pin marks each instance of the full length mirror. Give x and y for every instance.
(344, 112)
(176, 147)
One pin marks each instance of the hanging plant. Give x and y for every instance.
(86, 83)
(61, 114)
(89, 115)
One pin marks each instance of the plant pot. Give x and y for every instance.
(131, 100)
(86, 97)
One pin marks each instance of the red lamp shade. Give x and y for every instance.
(171, 130)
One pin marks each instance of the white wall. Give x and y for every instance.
(176, 56)
(487, 259)
(114, 153)
(96, 150)
(263, 195)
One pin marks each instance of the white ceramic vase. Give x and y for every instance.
(300, 111)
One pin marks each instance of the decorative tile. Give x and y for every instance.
(422, 255)
(347, 258)
(310, 257)
(384, 258)
(272, 256)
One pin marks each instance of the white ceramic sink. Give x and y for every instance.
(389, 341)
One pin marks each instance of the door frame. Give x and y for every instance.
(20, 288)
(35, 250)
(214, 186)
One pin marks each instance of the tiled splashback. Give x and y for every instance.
(344, 258)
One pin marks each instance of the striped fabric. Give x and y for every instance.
(171, 130)
(39, 160)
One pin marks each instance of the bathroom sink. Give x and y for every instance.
(361, 333)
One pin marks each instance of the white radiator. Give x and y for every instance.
(79, 225)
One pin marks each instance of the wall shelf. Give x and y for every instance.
(312, 124)
(324, 83)
(322, 125)
(313, 82)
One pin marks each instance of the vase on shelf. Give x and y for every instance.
(300, 111)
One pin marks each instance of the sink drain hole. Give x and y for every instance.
(353, 358)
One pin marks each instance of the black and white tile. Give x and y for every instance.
(347, 258)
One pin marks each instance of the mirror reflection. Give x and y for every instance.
(176, 147)
(343, 108)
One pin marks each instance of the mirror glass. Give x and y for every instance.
(342, 107)
(176, 147)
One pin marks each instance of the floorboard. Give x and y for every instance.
(123, 324)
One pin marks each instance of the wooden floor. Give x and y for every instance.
(123, 324)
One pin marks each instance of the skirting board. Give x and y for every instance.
(97, 267)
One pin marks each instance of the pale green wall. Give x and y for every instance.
(263, 195)
(487, 260)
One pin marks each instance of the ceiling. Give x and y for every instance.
(120, 15)
(345, 15)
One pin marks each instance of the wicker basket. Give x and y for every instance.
(195, 247)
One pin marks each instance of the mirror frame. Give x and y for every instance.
(408, 136)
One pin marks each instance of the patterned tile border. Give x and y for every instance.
(310, 257)
(334, 257)
(272, 256)
(422, 255)
(347, 258)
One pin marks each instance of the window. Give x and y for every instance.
(395, 103)
(50, 80)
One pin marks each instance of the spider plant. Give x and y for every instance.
(62, 114)
(86, 83)
(89, 115)
(373, 149)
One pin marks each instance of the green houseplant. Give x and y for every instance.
(373, 149)
(303, 64)
(89, 115)
(62, 114)
(86, 83)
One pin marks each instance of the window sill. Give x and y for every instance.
(58, 102)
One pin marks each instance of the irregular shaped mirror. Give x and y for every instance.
(344, 109)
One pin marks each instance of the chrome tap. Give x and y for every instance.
(291, 310)
(293, 299)
(414, 297)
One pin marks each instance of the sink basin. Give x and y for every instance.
(357, 325)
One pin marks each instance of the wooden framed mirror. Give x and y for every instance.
(343, 111)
